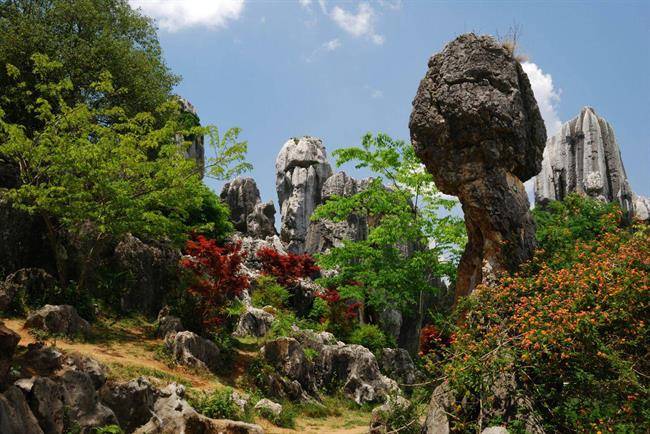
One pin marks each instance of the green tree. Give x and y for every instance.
(409, 242)
(86, 37)
(89, 171)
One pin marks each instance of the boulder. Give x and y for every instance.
(168, 324)
(46, 401)
(381, 415)
(192, 350)
(476, 126)
(584, 157)
(8, 342)
(40, 360)
(82, 401)
(253, 322)
(132, 402)
(301, 170)
(436, 421)
(294, 376)
(354, 370)
(151, 271)
(269, 407)
(29, 281)
(15, 415)
(58, 320)
(396, 363)
(95, 370)
(172, 414)
(247, 212)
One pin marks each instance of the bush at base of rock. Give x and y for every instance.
(369, 336)
(222, 404)
(266, 291)
(396, 415)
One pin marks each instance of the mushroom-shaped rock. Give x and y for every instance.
(476, 126)
(301, 170)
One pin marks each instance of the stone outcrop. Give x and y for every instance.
(28, 281)
(324, 234)
(301, 170)
(253, 322)
(192, 350)
(396, 363)
(196, 148)
(132, 402)
(168, 324)
(584, 157)
(15, 415)
(476, 126)
(247, 212)
(151, 271)
(293, 375)
(8, 342)
(58, 320)
(267, 406)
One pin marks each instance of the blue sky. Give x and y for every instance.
(336, 70)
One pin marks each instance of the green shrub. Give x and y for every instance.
(282, 324)
(401, 416)
(319, 310)
(286, 418)
(108, 429)
(219, 405)
(370, 336)
(268, 292)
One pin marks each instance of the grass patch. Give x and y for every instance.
(128, 372)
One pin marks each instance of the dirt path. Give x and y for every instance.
(129, 352)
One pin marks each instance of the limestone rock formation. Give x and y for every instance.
(192, 350)
(267, 406)
(584, 157)
(294, 373)
(301, 170)
(476, 126)
(8, 341)
(15, 415)
(324, 234)
(396, 363)
(196, 149)
(58, 320)
(29, 281)
(253, 322)
(132, 402)
(168, 324)
(249, 215)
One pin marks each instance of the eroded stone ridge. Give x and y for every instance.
(476, 126)
(249, 215)
(584, 157)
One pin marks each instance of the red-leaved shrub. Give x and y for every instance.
(286, 269)
(217, 276)
(431, 339)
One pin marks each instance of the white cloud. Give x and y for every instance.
(305, 3)
(174, 15)
(547, 96)
(328, 46)
(391, 4)
(376, 94)
(361, 23)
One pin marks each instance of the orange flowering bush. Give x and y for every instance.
(572, 327)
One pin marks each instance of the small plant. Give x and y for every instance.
(108, 429)
(310, 354)
(267, 292)
(400, 416)
(370, 336)
(219, 405)
(286, 418)
(282, 324)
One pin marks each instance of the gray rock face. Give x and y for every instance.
(152, 271)
(268, 406)
(253, 322)
(169, 324)
(249, 215)
(437, 421)
(196, 149)
(301, 170)
(80, 398)
(46, 401)
(59, 320)
(15, 415)
(172, 415)
(382, 414)
(40, 360)
(294, 373)
(192, 350)
(132, 402)
(324, 234)
(8, 342)
(584, 157)
(95, 370)
(476, 126)
(396, 363)
(30, 281)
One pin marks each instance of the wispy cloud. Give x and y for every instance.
(177, 15)
(328, 46)
(359, 24)
(547, 96)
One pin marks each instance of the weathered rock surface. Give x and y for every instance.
(151, 270)
(132, 402)
(83, 402)
(381, 414)
(437, 421)
(95, 370)
(294, 373)
(30, 281)
(172, 415)
(584, 157)
(495, 430)
(196, 149)
(396, 363)
(253, 322)
(168, 324)
(325, 234)
(40, 360)
(59, 320)
(249, 215)
(15, 415)
(476, 126)
(301, 170)
(267, 406)
(192, 350)
(8, 342)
